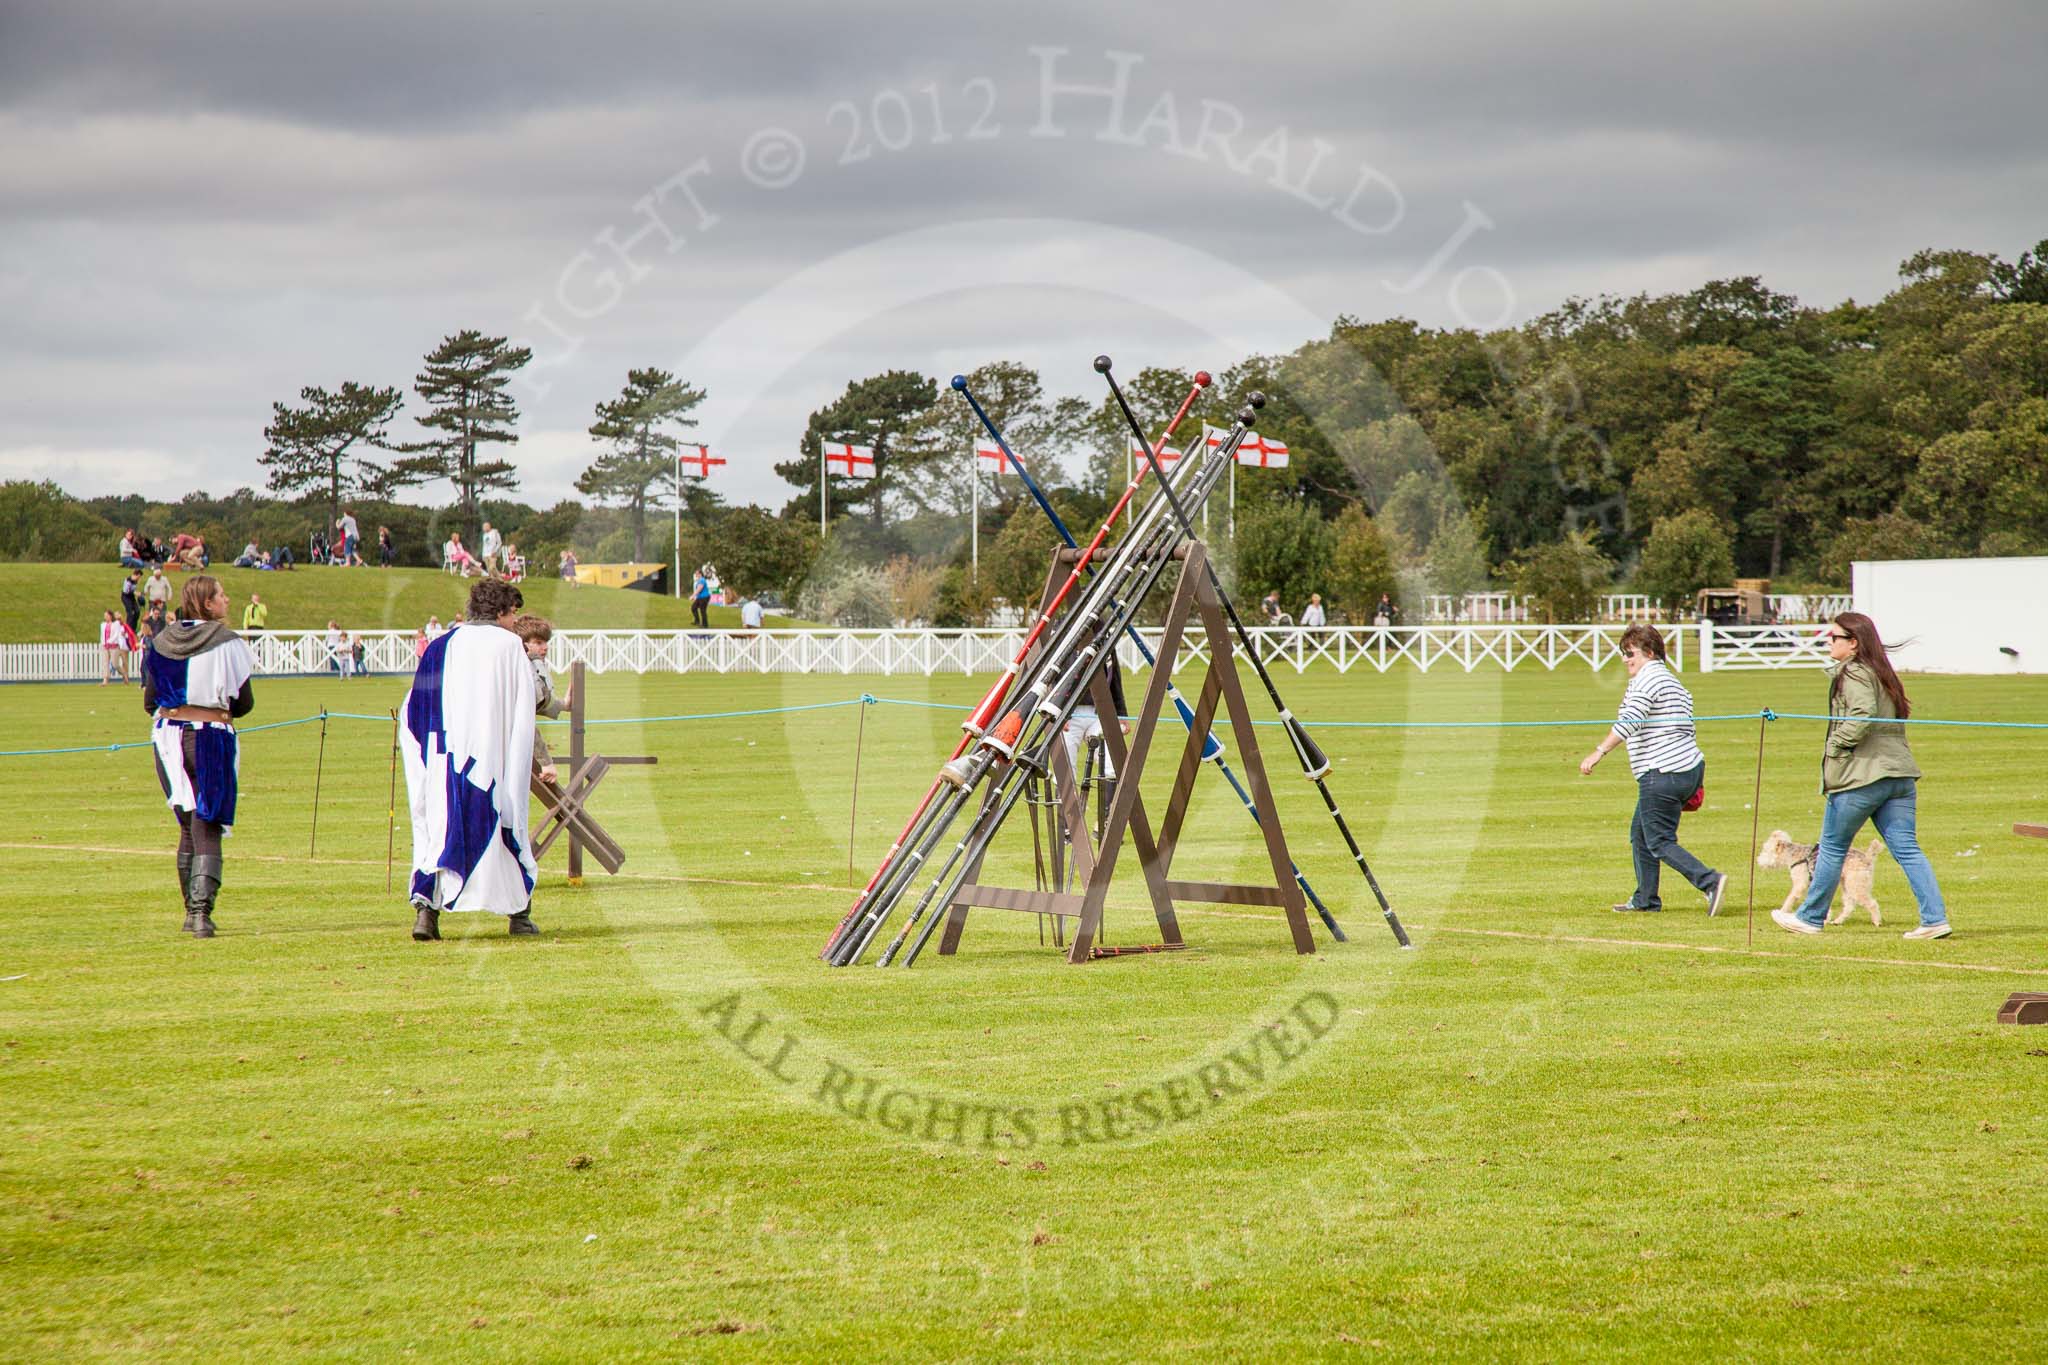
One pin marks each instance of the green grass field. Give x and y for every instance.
(57, 602)
(664, 1130)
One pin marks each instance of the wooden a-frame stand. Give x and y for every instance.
(1194, 597)
(564, 805)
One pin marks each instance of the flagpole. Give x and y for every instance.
(679, 523)
(974, 517)
(822, 529)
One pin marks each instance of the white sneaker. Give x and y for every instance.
(1940, 930)
(1714, 896)
(1791, 923)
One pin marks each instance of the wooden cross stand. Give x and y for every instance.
(563, 805)
(1194, 597)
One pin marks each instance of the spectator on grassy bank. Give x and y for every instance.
(337, 649)
(1312, 614)
(255, 616)
(135, 550)
(188, 551)
(568, 568)
(701, 588)
(493, 546)
(351, 536)
(1867, 773)
(113, 649)
(1664, 756)
(131, 597)
(456, 558)
(157, 590)
(387, 552)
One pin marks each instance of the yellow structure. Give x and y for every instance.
(615, 575)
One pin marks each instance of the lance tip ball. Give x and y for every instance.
(1102, 364)
(960, 382)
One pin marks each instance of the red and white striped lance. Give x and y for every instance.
(855, 462)
(700, 464)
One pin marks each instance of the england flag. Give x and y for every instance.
(1168, 456)
(1265, 454)
(854, 462)
(697, 461)
(988, 457)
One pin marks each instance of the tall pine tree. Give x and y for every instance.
(321, 444)
(639, 469)
(871, 412)
(464, 386)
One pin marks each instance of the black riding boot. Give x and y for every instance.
(199, 896)
(185, 890)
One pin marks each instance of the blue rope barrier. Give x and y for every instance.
(869, 699)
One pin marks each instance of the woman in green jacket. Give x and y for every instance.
(1868, 773)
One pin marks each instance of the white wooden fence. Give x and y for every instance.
(885, 653)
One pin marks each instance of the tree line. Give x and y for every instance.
(1658, 442)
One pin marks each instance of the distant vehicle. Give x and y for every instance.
(1734, 606)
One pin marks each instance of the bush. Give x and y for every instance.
(855, 597)
(914, 588)
(962, 603)
(1361, 567)
(1685, 553)
(1566, 577)
(1890, 536)
(39, 521)
(1283, 547)
(1457, 555)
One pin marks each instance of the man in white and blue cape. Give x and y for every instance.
(466, 733)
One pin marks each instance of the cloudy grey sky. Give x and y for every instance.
(205, 206)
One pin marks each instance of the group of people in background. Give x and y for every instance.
(1385, 612)
(1868, 775)
(494, 555)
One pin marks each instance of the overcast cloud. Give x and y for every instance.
(205, 206)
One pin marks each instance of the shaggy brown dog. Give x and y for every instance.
(1859, 868)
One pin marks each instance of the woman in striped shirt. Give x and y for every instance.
(1663, 753)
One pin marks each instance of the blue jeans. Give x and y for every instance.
(1890, 803)
(1653, 834)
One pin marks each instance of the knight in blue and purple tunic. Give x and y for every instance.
(195, 684)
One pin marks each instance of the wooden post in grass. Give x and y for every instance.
(1755, 813)
(319, 763)
(860, 735)
(575, 762)
(391, 808)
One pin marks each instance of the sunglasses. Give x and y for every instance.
(1837, 635)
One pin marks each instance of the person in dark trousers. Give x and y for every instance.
(195, 685)
(1664, 754)
(131, 598)
(700, 598)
